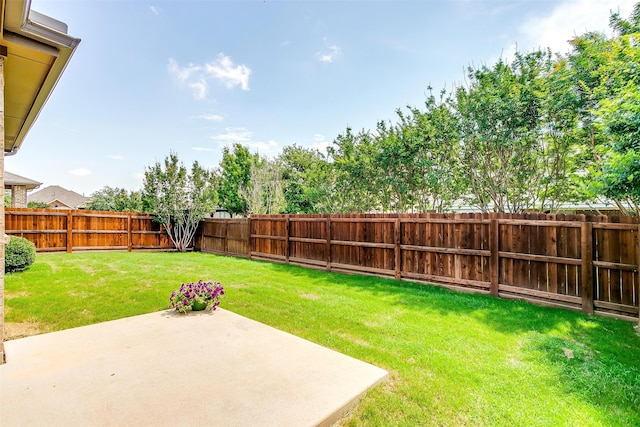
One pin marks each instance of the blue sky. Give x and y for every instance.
(150, 77)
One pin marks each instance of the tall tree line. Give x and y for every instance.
(530, 133)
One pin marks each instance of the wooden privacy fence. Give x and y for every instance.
(53, 230)
(224, 236)
(572, 261)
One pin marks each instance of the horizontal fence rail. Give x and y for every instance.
(572, 261)
(53, 230)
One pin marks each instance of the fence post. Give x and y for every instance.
(129, 243)
(398, 257)
(494, 258)
(225, 248)
(328, 248)
(249, 237)
(586, 277)
(638, 271)
(287, 224)
(69, 232)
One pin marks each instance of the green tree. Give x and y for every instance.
(418, 158)
(303, 179)
(506, 149)
(178, 198)
(35, 205)
(351, 184)
(606, 76)
(115, 199)
(560, 134)
(235, 174)
(264, 193)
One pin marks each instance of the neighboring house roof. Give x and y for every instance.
(11, 179)
(37, 50)
(55, 192)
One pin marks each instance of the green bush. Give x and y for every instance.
(19, 253)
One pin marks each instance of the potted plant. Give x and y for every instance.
(196, 296)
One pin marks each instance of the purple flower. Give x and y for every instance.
(209, 292)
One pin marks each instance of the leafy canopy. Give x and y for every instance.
(180, 199)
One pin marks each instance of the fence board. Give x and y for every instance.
(628, 256)
(53, 230)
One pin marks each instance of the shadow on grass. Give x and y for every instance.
(605, 380)
(511, 316)
(596, 357)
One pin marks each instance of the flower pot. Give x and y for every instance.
(198, 305)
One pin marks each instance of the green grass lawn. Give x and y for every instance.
(453, 358)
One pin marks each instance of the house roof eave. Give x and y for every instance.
(38, 50)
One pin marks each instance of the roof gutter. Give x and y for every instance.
(45, 34)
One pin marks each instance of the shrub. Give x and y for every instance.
(19, 253)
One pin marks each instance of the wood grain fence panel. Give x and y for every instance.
(408, 257)
(506, 245)
(356, 234)
(601, 253)
(423, 237)
(562, 251)
(523, 268)
(297, 229)
(541, 248)
(425, 261)
(586, 267)
(614, 286)
(573, 251)
(529, 269)
(447, 242)
(238, 237)
(439, 243)
(494, 257)
(628, 255)
(431, 233)
(461, 236)
(388, 235)
(484, 245)
(551, 249)
(59, 230)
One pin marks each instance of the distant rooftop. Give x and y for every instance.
(53, 193)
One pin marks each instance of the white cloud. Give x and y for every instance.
(154, 10)
(210, 117)
(80, 172)
(328, 54)
(138, 176)
(233, 135)
(204, 149)
(199, 87)
(244, 137)
(221, 70)
(182, 73)
(270, 148)
(116, 157)
(571, 18)
(320, 143)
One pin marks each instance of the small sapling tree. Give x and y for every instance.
(179, 200)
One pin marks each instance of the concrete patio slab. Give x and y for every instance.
(167, 369)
